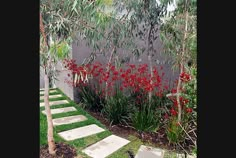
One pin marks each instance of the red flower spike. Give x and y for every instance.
(189, 110)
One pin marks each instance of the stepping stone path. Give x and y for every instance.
(105, 147)
(61, 110)
(81, 132)
(102, 148)
(52, 96)
(50, 91)
(149, 152)
(58, 102)
(68, 120)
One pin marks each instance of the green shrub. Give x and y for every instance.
(91, 100)
(146, 118)
(174, 132)
(117, 109)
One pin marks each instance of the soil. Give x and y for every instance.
(158, 139)
(62, 151)
(119, 130)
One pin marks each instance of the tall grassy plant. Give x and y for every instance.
(146, 119)
(117, 109)
(91, 100)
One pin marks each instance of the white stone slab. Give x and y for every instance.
(191, 156)
(180, 155)
(81, 132)
(68, 120)
(149, 152)
(50, 91)
(52, 96)
(58, 102)
(105, 147)
(61, 110)
(42, 89)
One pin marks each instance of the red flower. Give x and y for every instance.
(173, 112)
(115, 73)
(189, 110)
(112, 68)
(123, 75)
(100, 70)
(128, 71)
(132, 77)
(173, 91)
(132, 66)
(184, 101)
(114, 78)
(185, 77)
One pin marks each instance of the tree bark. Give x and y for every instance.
(151, 72)
(42, 29)
(182, 61)
(51, 143)
(108, 69)
(178, 94)
(150, 51)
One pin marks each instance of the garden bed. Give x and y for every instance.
(158, 139)
(62, 150)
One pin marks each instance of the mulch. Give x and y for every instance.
(158, 139)
(62, 151)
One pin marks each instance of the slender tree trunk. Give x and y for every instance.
(178, 94)
(51, 143)
(108, 69)
(150, 59)
(182, 62)
(151, 72)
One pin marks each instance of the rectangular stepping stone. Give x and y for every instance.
(68, 120)
(105, 147)
(42, 89)
(183, 156)
(150, 152)
(50, 91)
(60, 110)
(81, 132)
(52, 96)
(58, 102)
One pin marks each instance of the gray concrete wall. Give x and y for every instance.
(61, 83)
(80, 51)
